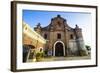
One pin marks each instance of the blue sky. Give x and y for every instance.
(83, 20)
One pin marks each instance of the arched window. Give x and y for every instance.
(45, 36)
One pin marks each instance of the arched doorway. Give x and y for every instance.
(59, 49)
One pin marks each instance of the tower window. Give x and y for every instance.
(45, 36)
(58, 36)
(71, 36)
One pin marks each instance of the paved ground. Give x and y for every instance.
(65, 58)
(47, 59)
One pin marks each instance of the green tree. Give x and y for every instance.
(88, 47)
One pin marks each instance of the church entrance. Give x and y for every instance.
(59, 49)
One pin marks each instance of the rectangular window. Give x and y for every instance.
(58, 36)
(45, 36)
(71, 36)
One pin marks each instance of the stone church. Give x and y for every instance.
(61, 39)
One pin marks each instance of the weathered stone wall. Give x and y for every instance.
(69, 36)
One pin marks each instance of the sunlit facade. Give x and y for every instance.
(32, 42)
(62, 40)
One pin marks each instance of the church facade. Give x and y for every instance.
(61, 39)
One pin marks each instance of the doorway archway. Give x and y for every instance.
(59, 49)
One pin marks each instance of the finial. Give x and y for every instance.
(64, 20)
(38, 24)
(58, 15)
(52, 19)
(76, 26)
